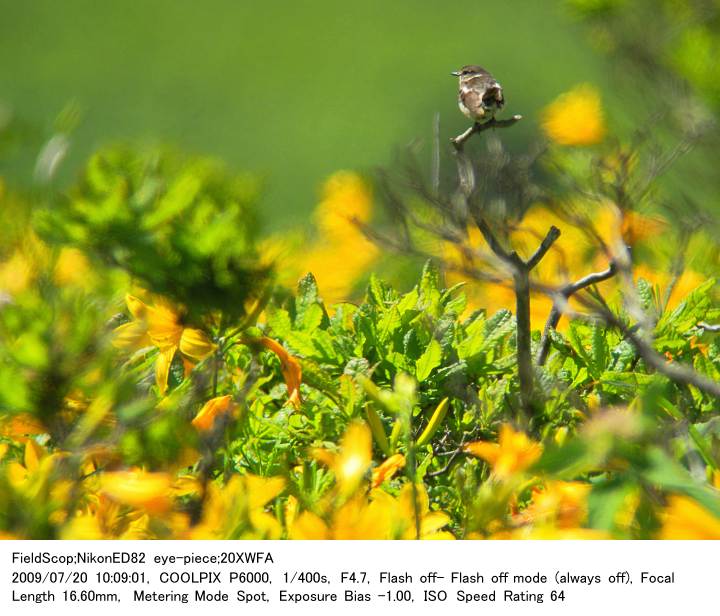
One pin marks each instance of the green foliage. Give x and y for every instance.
(184, 228)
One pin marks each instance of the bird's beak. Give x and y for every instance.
(455, 73)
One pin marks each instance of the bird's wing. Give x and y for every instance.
(494, 95)
(472, 99)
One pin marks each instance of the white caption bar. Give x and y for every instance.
(304, 577)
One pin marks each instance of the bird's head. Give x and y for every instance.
(469, 72)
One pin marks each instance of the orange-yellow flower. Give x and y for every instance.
(341, 254)
(514, 452)
(575, 117)
(211, 411)
(290, 368)
(20, 427)
(148, 491)
(684, 518)
(387, 469)
(161, 325)
(72, 269)
(354, 458)
(562, 504)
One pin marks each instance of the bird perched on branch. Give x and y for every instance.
(480, 96)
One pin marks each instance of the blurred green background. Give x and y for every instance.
(292, 90)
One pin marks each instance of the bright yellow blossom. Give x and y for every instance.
(72, 269)
(341, 254)
(289, 366)
(353, 460)
(387, 469)
(237, 509)
(684, 518)
(211, 411)
(560, 504)
(161, 325)
(382, 516)
(148, 491)
(514, 452)
(575, 117)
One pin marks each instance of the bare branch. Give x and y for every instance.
(478, 127)
(565, 293)
(673, 370)
(546, 244)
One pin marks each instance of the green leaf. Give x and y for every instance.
(669, 475)
(428, 361)
(605, 502)
(599, 348)
(430, 288)
(279, 321)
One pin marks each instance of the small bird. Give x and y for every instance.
(480, 96)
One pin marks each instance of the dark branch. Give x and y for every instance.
(479, 127)
(566, 292)
(545, 245)
(676, 372)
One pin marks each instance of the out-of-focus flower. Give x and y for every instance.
(211, 411)
(20, 427)
(575, 117)
(513, 453)
(290, 368)
(161, 325)
(684, 518)
(353, 460)
(72, 269)
(237, 509)
(345, 197)
(550, 533)
(341, 254)
(561, 504)
(16, 273)
(383, 516)
(387, 469)
(140, 489)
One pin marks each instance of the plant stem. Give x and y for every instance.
(522, 319)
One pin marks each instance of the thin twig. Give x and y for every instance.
(566, 292)
(435, 177)
(673, 370)
(676, 372)
(552, 235)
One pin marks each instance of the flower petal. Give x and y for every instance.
(131, 336)
(196, 344)
(162, 367)
(290, 368)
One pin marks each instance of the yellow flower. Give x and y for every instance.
(353, 461)
(514, 452)
(161, 326)
(237, 510)
(212, 410)
(72, 269)
(387, 469)
(346, 198)
(20, 427)
(381, 517)
(341, 254)
(148, 491)
(561, 504)
(576, 117)
(289, 366)
(684, 518)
